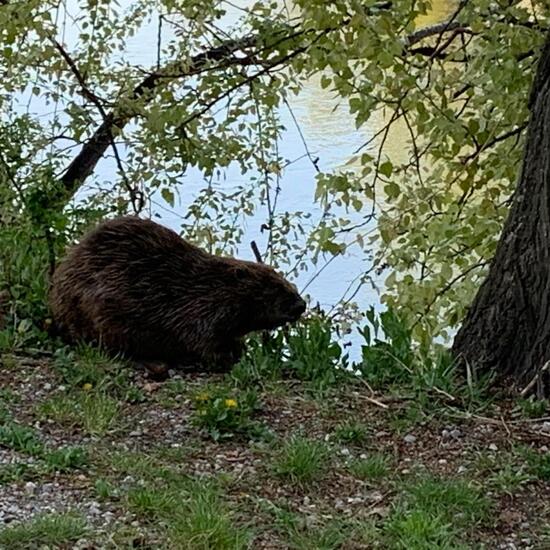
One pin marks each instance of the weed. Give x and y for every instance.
(301, 460)
(16, 472)
(105, 490)
(388, 361)
(454, 500)
(194, 512)
(313, 356)
(65, 459)
(262, 361)
(402, 420)
(435, 513)
(371, 468)
(539, 464)
(223, 412)
(20, 438)
(155, 502)
(93, 411)
(419, 530)
(90, 368)
(533, 408)
(47, 530)
(351, 431)
(205, 523)
(61, 408)
(327, 537)
(509, 478)
(99, 413)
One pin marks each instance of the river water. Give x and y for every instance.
(328, 129)
(325, 124)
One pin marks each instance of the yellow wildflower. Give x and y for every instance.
(203, 397)
(230, 403)
(87, 386)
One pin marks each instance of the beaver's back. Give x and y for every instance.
(120, 282)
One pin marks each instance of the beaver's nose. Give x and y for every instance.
(298, 308)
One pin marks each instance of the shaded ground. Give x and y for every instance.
(92, 456)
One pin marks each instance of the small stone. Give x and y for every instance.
(135, 433)
(461, 469)
(493, 447)
(545, 427)
(30, 487)
(47, 386)
(445, 434)
(345, 452)
(456, 434)
(442, 461)
(410, 439)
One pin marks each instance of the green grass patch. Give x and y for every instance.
(351, 432)
(66, 459)
(94, 412)
(49, 531)
(435, 513)
(372, 468)
(224, 412)
(302, 460)
(195, 512)
(20, 438)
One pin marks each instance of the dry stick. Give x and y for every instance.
(256, 251)
(535, 379)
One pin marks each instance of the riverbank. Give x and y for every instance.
(95, 455)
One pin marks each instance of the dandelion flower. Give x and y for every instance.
(87, 386)
(230, 403)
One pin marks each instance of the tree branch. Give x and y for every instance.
(114, 121)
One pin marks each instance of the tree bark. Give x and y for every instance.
(507, 329)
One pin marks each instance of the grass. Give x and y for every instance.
(435, 513)
(301, 460)
(94, 412)
(351, 432)
(195, 512)
(205, 522)
(260, 463)
(20, 438)
(371, 468)
(66, 459)
(44, 531)
(419, 530)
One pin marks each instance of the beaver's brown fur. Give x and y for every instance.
(138, 289)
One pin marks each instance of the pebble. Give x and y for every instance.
(456, 434)
(493, 447)
(409, 438)
(545, 427)
(30, 487)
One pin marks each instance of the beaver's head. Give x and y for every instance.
(267, 299)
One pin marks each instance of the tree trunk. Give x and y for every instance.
(507, 329)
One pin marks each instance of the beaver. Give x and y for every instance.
(137, 289)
